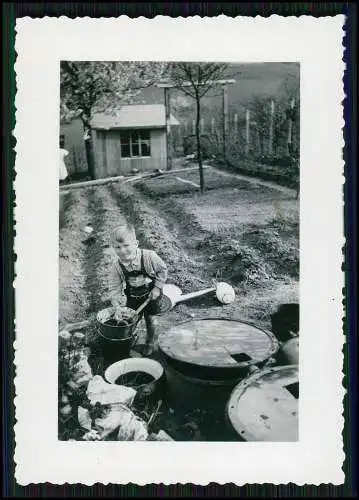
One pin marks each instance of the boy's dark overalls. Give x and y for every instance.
(138, 287)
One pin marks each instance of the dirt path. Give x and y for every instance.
(66, 200)
(94, 253)
(105, 215)
(72, 284)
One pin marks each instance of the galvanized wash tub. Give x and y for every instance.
(205, 358)
(264, 406)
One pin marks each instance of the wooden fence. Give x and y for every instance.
(244, 136)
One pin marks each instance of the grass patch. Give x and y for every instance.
(170, 184)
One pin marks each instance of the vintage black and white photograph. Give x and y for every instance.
(179, 247)
(179, 251)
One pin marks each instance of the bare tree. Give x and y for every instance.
(290, 99)
(195, 80)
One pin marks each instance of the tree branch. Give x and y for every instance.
(71, 70)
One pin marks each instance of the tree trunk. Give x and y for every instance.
(261, 143)
(225, 121)
(168, 129)
(198, 137)
(89, 151)
(276, 141)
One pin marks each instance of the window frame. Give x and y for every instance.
(139, 142)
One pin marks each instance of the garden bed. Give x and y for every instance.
(187, 182)
(244, 234)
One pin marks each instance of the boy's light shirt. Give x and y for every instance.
(154, 266)
(134, 265)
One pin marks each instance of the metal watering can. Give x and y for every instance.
(172, 295)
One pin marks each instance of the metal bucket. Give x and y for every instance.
(116, 332)
(285, 321)
(113, 350)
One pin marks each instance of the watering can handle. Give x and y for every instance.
(193, 295)
(142, 306)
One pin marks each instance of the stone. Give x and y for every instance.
(79, 335)
(84, 418)
(65, 335)
(65, 411)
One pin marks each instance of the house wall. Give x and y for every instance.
(108, 161)
(74, 143)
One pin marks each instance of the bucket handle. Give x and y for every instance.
(134, 337)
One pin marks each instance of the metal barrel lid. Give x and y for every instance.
(218, 343)
(264, 406)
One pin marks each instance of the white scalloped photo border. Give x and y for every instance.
(316, 43)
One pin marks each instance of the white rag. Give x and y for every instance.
(99, 391)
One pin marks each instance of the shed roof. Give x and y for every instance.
(134, 116)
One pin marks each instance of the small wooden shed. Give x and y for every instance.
(134, 138)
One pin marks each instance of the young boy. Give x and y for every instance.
(136, 274)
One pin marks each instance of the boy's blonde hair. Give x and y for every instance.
(123, 232)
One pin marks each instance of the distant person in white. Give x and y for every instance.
(63, 169)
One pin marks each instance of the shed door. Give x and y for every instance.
(113, 150)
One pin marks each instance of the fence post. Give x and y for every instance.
(193, 127)
(236, 124)
(270, 144)
(213, 126)
(248, 116)
(202, 126)
(168, 129)
(225, 118)
(290, 127)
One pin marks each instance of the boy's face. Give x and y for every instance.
(125, 247)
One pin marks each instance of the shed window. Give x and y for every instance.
(135, 143)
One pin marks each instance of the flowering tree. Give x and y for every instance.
(182, 108)
(89, 87)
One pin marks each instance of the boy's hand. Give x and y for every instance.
(118, 313)
(155, 293)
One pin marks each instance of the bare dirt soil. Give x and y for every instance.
(244, 234)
